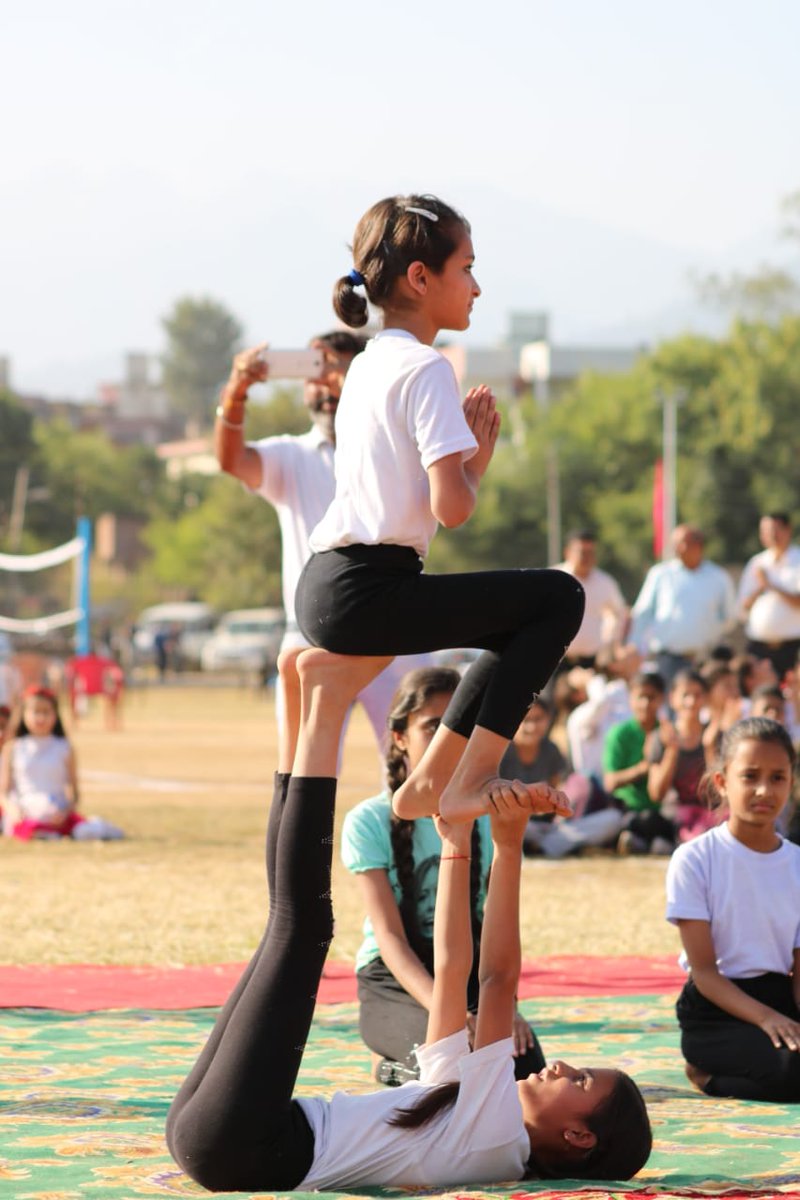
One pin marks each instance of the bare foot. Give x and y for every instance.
(697, 1078)
(416, 798)
(465, 805)
(419, 795)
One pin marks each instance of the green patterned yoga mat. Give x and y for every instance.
(83, 1100)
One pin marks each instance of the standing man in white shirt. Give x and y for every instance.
(295, 474)
(769, 595)
(685, 608)
(605, 617)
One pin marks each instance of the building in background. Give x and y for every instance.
(527, 356)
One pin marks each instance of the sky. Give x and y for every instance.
(153, 149)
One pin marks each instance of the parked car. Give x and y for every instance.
(189, 624)
(246, 640)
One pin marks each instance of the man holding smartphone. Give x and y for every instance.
(295, 474)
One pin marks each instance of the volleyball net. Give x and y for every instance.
(15, 598)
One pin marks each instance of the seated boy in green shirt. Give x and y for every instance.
(625, 770)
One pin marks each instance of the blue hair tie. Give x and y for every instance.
(356, 278)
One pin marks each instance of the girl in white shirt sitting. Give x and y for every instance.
(39, 779)
(734, 894)
(409, 457)
(235, 1126)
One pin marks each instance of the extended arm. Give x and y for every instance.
(501, 954)
(699, 947)
(452, 934)
(387, 924)
(233, 454)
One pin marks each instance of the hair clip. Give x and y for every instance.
(422, 212)
(356, 278)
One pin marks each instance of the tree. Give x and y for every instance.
(226, 551)
(85, 474)
(211, 539)
(16, 450)
(202, 337)
(738, 443)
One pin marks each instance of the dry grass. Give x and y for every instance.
(189, 779)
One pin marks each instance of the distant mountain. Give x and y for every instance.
(272, 253)
(599, 284)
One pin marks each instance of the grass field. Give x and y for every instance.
(189, 778)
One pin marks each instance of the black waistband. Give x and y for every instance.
(381, 556)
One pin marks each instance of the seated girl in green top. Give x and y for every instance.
(397, 865)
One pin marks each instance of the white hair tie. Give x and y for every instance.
(422, 212)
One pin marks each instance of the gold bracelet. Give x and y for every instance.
(223, 420)
(450, 857)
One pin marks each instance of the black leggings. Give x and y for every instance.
(375, 600)
(233, 1126)
(739, 1056)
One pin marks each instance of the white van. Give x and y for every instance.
(246, 640)
(190, 622)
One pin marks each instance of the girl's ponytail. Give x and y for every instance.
(349, 306)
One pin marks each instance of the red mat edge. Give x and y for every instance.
(86, 988)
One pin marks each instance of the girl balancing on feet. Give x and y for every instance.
(235, 1124)
(734, 893)
(409, 457)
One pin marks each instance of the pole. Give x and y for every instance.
(83, 641)
(18, 502)
(670, 402)
(541, 391)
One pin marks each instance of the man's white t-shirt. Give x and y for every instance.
(400, 412)
(772, 618)
(297, 479)
(751, 900)
(603, 616)
(481, 1138)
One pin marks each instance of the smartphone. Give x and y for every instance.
(294, 364)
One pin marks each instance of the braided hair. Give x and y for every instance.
(414, 692)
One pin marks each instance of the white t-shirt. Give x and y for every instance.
(772, 618)
(752, 901)
(608, 704)
(400, 412)
(297, 479)
(603, 615)
(481, 1138)
(40, 773)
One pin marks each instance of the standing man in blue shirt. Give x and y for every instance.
(686, 606)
